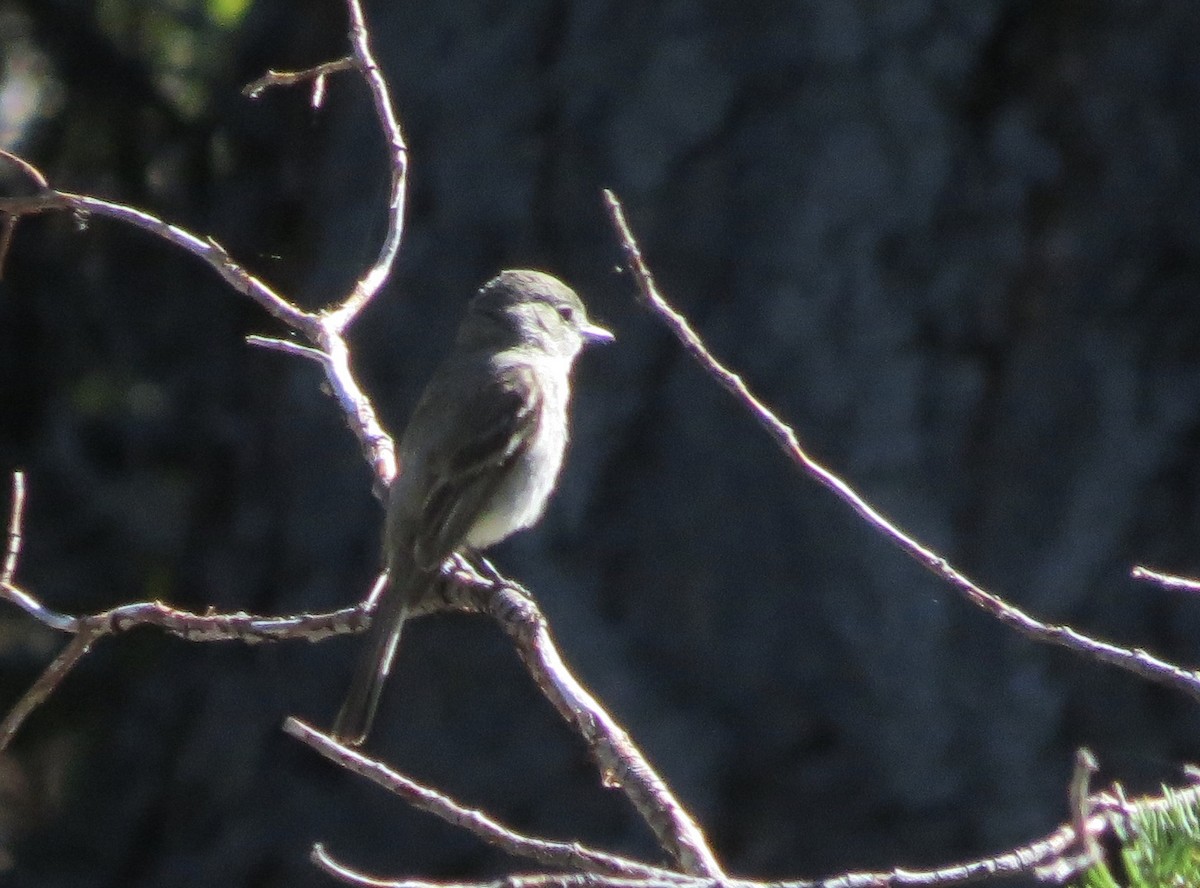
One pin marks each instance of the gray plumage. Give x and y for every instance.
(479, 456)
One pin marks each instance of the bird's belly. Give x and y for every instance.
(521, 497)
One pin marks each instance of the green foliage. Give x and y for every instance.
(1160, 848)
(227, 13)
(184, 45)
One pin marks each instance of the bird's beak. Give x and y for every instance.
(592, 333)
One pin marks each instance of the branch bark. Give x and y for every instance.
(1131, 659)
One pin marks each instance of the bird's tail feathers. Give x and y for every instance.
(353, 721)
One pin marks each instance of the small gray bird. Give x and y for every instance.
(479, 457)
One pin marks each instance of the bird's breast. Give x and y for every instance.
(521, 496)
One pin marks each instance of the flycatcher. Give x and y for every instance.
(479, 457)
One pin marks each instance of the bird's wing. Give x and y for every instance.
(496, 425)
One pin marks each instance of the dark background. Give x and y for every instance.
(955, 243)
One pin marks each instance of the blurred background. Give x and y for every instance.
(957, 245)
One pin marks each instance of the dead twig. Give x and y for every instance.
(16, 515)
(325, 329)
(318, 74)
(1133, 660)
(371, 282)
(1050, 857)
(622, 765)
(571, 855)
(1087, 851)
(1166, 580)
(239, 627)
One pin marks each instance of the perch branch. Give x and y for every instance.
(622, 765)
(1134, 660)
(619, 760)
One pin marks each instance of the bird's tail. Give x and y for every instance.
(353, 721)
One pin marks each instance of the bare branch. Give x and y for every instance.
(1167, 581)
(620, 762)
(288, 347)
(622, 765)
(323, 331)
(255, 88)
(46, 683)
(370, 283)
(571, 855)
(205, 248)
(362, 58)
(377, 444)
(1048, 858)
(27, 168)
(37, 610)
(1133, 660)
(241, 627)
(12, 549)
(339, 871)
(8, 227)
(335, 358)
(1078, 793)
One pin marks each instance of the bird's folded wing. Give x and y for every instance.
(498, 421)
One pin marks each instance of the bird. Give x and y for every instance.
(479, 457)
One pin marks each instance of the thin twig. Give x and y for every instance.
(550, 853)
(319, 329)
(377, 444)
(1167, 581)
(50, 679)
(371, 282)
(288, 347)
(1078, 793)
(1134, 660)
(16, 514)
(27, 168)
(203, 247)
(241, 627)
(362, 58)
(323, 860)
(255, 88)
(37, 610)
(8, 226)
(1048, 856)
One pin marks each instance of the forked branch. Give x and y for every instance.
(620, 762)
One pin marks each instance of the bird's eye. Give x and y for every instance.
(567, 313)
